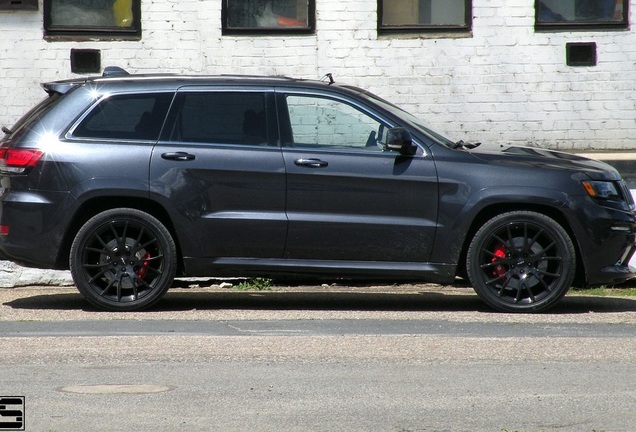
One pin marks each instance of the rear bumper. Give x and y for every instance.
(36, 228)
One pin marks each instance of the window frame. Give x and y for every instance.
(309, 29)
(582, 25)
(427, 28)
(71, 32)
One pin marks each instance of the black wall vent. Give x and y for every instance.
(86, 61)
(18, 4)
(580, 53)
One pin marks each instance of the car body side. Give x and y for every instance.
(463, 188)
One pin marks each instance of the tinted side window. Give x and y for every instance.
(318, 122)
(127, 117)
(222, 117)
(33, 116)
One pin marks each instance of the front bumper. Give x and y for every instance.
(619, 272)
(607, 244)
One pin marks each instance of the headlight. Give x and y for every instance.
(602, 189)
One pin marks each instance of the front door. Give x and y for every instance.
(347, 197)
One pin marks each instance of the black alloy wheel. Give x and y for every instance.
(521, 261)
(123, 259)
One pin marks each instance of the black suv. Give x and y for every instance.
(132, 180)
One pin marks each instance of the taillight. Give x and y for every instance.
(16, 160)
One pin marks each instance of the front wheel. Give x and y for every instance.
(123, 260)
(521, 261)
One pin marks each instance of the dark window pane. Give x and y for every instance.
(126, 117)
(413, 13)
(92, 16)
(268, 14)
(92, 13)
(578, 12)
(223, 118)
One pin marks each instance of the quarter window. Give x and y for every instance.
(92, 18)
(424, 15)
(126, 117)
(221, 118)
(581, 13)
(267, 16)
(328, 124)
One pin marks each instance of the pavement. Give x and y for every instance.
(209, 301)
(311, 357)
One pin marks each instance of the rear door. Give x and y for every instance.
(219, 171)
(348, 198)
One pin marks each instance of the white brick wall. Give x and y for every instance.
(506, 83)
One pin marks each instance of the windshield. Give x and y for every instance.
(414, 121)
(32, 116)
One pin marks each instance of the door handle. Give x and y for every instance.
(179, 156)
(311, 163)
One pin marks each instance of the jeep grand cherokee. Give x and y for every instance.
(132, 180)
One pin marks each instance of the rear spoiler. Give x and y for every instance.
(62, 87)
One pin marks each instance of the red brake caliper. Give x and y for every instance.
(500, 252)
(143, 270)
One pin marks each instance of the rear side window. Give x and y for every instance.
(126, 117)
(33, 116)
(221, 118)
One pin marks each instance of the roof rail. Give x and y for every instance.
(111, 71)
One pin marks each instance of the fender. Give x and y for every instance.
(456, 218)
(110, 186)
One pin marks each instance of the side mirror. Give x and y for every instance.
(399, 139)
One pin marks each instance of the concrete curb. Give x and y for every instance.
(13, 275)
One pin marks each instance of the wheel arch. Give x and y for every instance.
(96, 205)
(493, 210)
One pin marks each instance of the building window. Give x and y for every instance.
(268, 16)
(581, 13)
(424, 15)
(92, 18)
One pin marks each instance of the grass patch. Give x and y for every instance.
(256, 284)
(606, 292)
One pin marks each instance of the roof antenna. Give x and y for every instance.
(328, 77)
(110, 71)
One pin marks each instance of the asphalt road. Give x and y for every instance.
(337, 358)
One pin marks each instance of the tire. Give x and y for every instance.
(123, 260)
(521, 261)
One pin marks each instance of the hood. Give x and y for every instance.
(549, 159)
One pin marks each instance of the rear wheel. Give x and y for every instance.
(123, 259)
(521, 261)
